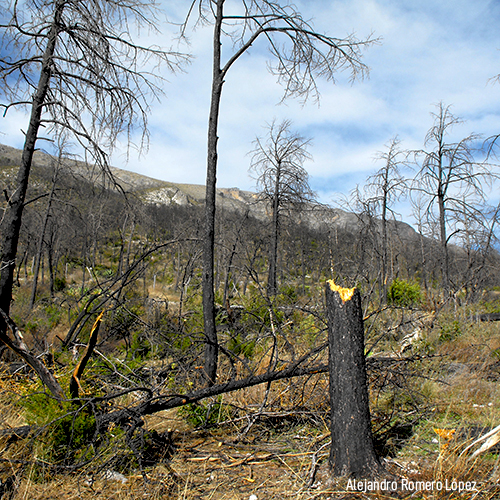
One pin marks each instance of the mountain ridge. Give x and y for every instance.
(159, 192)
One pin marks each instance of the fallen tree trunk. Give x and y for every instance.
(165, 402)
(488, 317)
(153, 404)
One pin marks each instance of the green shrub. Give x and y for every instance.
(54, 313)
(450, 331)
(258, 307)
(67, 430)
(287, 294)
(203, 414)
(239, 346)
(404, 294)
(59, 284)
(140, 347)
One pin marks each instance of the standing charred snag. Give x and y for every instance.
(282, 181)
(352, 452)
(453, 183)
(300, 56)
(74, 66)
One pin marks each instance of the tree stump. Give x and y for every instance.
(352, 452)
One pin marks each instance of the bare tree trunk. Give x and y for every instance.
(352, 452)
(52, 263)
(39, 254)
(13, 216)
(122, 246)
(444, 243)
(423, 258)
(272, 285)
(211, 342)
(384, 239)
(230, 264)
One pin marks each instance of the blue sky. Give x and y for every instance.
(429, 52)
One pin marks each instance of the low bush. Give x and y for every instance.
(404, 294)
(66, 431)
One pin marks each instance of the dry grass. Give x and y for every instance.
(275, 456)
(274, 460)
(207, 466)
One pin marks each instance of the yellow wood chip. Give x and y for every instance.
(446, 434)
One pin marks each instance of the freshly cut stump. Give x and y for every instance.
(352, 453)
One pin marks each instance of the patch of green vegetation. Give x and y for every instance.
(140, 348)
(202, 414)
(54, 313)
(67, 430)
(103, 271)
(59, 284)
(450, 331)
(241, 347)
(404, 294)
(287, 293)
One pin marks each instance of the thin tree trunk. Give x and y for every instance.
(13, 216)
(423, 259)
(122, 246)
(228, 268)
(39, 254)
(352, 452)
(444, 244)
(384, 242)
(211, 342)
(52, 267)
(272, 285)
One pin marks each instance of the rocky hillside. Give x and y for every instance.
(166, 193)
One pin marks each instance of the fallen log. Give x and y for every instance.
(489, 317)
(19, 347)
(165, 402)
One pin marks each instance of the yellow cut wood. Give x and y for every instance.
(74, 384)
(345, 293)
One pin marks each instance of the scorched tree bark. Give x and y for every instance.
(352, 452)
(300, 56)
(74, 66)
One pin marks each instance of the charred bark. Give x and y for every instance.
(211, 341)
(352, 452)
(13, 215)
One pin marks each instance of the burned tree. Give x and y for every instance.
(300, 55)
(281, 180)
(76, 68)
(451, 181)
(352, 452)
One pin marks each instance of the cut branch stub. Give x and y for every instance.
(352, 452)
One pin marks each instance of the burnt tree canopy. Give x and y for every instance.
(74, 66)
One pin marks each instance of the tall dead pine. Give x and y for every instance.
(352, 452)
